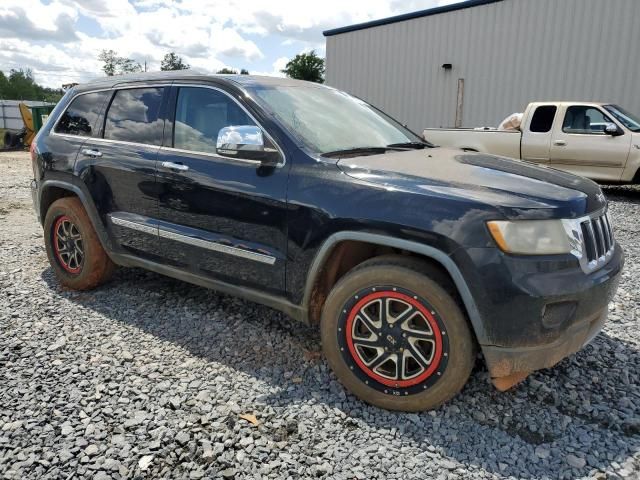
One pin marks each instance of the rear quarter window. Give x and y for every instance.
(542, 119)
(81, 116)
(134, 116)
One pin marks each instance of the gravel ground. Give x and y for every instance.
(150, 377)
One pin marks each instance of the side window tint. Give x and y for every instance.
(200, 114)
(133, 116)
(585, 120)
(542, 120)
(82, 114)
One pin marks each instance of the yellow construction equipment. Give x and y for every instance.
(27, 118)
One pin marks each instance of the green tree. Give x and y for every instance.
(171, 61)
(116, 65)
(306, 66)
(227, 71)
(110, 60)
(126, 65)
(244, 71)
(20, 85)
(4, 85)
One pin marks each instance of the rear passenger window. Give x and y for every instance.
(200, 114)
(133, 116)
(82, 114)
(542, 120)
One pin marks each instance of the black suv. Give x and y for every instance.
(306, 199)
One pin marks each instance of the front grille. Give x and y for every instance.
(598, 242)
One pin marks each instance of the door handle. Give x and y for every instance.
(175, 166)
(560, 143)
(91, 153)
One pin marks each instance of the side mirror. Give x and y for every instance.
(612, 129)
(247, 143)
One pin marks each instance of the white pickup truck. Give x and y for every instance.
(596, 140)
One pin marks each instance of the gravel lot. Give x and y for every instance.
(150, 377)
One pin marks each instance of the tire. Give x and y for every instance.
(427, 330)
(10, 139)
(76, 255)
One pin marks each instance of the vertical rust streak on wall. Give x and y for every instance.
(459, 103)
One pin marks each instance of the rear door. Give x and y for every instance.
(79, 122)
(120, 167)
(581, 146)
(220, 217)
(538, 128)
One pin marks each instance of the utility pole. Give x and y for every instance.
(145, 65)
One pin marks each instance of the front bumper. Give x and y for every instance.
(538, 311)
(505, 361)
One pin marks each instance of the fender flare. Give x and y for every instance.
(88, 205)
(421, 249)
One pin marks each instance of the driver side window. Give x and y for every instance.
(200, 114)
(585, 121)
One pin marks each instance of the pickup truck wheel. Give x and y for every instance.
(74, 250)
(394, 337)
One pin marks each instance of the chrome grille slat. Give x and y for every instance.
(609, 230)
(605, 234)
(590, 241)
(595, 240)
(599, 237)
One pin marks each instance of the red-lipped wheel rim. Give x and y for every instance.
(68, 245)
(394, 339)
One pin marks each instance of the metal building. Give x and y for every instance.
(473, 63)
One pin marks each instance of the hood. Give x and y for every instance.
(497, 181)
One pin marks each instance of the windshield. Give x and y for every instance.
(328, 120)
(627, 119)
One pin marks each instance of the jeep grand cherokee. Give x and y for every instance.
(409, 257)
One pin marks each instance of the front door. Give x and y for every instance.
(219, 217)
(581, 146)
(120, 166)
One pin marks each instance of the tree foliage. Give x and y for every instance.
(231, 71)
(306, 66)
(116, 65)
(171, 61)
(20, 85)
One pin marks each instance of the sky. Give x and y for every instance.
(59, 40)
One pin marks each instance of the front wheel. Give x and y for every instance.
(394, 337)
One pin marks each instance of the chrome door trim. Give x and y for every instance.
(218, 247)
(133, 225)
(197, 242)
(257, 163)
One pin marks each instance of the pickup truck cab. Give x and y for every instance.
(596, 140)
(301, 197)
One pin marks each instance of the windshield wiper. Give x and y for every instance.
(416, 145)
(356, 151)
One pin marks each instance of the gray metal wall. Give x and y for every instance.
(509, 53)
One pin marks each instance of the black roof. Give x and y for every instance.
(169, 76)
(408, 16)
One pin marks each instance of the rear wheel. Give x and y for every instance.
(74, 250)
(395, 337)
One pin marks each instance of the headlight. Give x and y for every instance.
(530, 237)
